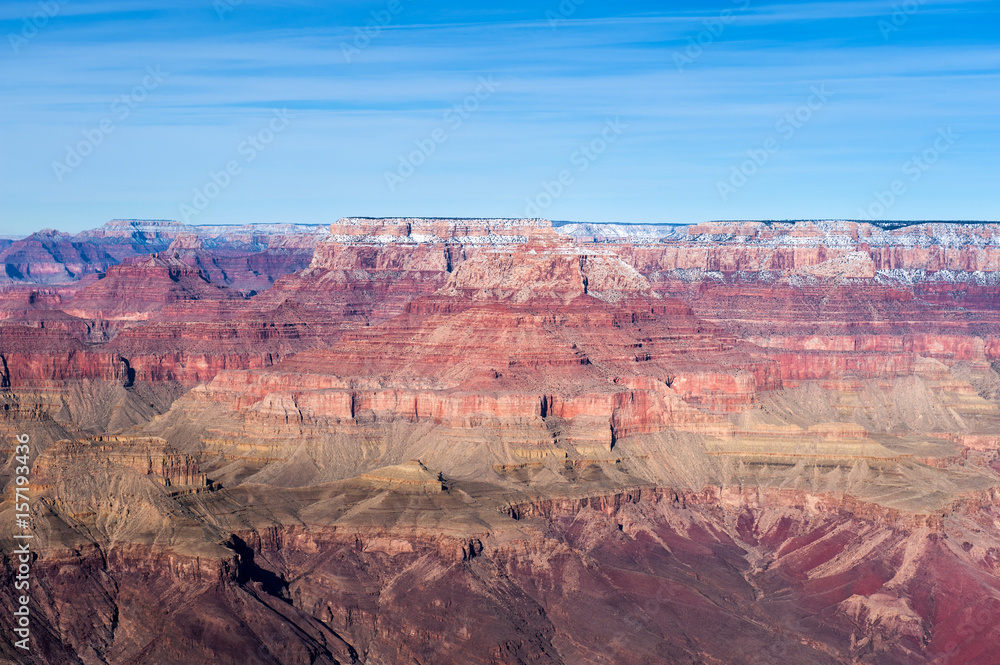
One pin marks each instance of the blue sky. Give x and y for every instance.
(592, 110)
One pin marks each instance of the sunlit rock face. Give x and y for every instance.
(411, 440)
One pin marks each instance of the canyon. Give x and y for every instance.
(500, 441)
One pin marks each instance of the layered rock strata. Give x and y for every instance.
(495, 441)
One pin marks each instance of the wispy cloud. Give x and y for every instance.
(559, 85)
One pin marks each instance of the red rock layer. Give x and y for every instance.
(160, 317)
(244, 257)
(135, 289)
(50, 257)
(838, 300)
(754, 246)
(519, 339)
(816, 324)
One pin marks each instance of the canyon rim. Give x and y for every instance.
(486, 441)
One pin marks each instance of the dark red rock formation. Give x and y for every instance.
(635, 577)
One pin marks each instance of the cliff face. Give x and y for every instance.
(495, 441)
(230, 264)
(168, 302)
(757, 246)
(135, 289)
(248, 257)
(541, 346)
(370, 269)
(51, 257)
(838, 300)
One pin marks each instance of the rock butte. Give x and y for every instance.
(493, 441)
